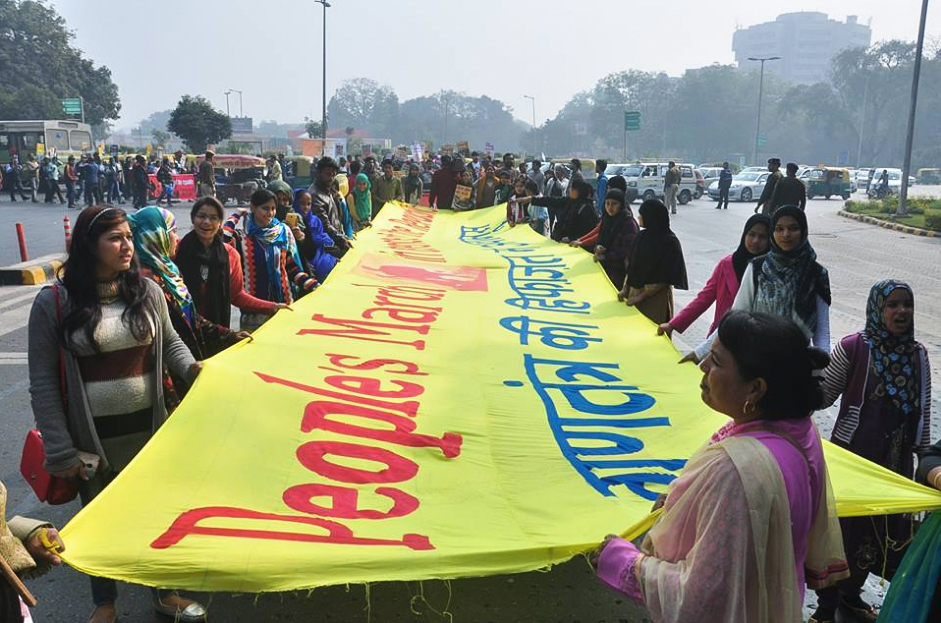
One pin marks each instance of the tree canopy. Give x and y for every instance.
(198, 123)
(39, 67)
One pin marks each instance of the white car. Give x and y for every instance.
(648, 177)
(745, 186)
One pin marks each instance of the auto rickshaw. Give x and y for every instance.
(237, 176)
(928, 176)
(828, 181)
(301, 171)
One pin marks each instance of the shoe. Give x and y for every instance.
(104, 614)
(860, 610)
(182, 610)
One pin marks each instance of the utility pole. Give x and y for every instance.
(909, 139)
(447, 103)
(862, 124)
(323, 120)
(533, 99)
(227, 113)
(761, 84)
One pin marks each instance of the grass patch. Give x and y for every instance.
(924, 213)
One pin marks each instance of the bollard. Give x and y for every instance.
(21, 238)
(67, 226)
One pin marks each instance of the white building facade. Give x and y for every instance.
(806, 43)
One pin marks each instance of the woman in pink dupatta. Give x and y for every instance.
(751, 522)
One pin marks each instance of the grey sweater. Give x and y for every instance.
(64, 434)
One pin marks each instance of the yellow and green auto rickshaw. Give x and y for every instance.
(829, 181)
(928, 176)
(301, 168)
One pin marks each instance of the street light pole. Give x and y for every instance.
(447, 104)
(227, 114)
(533, 99)
(323, 120)
(907, 165)
(761, 85)
(241, 111)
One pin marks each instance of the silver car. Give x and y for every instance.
(745, 186)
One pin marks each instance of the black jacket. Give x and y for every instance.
(577, 217)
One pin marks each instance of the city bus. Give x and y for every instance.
(44, 138)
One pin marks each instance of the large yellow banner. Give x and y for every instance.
(459, 399)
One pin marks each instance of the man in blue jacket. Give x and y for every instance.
(725, 182)
(602, 188)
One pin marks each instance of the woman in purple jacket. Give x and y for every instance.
(884, 378)
(726, 278)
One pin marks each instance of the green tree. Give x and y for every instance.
(364, 103)
(160, 137)
(36, 51)
(198, 123)
(313, 128)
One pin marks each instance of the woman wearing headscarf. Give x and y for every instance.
(656, 265)
(155, 243)
(576, 212)
(360, 201)
(788, 281)
(613, 239)
(751, 522)
(273, 268)
(212, 270)
(884, 378)
(412, 185)
(726, 278)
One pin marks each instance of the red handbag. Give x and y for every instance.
(48, 488)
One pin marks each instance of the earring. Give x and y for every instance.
(748, 407)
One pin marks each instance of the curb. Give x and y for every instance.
(914, 231)
(33, 272)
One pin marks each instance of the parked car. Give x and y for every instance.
(648, 177)
(745, 186)
(709, 174)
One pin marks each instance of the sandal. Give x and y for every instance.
(182, 610)
(860, 610)
(104, 614)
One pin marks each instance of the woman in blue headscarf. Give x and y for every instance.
(271, 263)
(155, 242)
(884, 378)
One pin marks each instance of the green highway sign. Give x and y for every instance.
(72, 107)
(762, 140)
(631, 120)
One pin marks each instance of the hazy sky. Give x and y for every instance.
(271, 49)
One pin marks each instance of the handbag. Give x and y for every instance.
(48, 488)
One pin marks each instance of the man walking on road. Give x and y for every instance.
(205, 178)
(602, 188)
(725, 182)
(765, 203)
(71, 178)
(790, 191)
(671, 185)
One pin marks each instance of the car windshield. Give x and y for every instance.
(747, 177)
(633, 170)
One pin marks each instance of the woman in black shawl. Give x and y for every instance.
(576, 212)
(616, 237)
(212, 270)
(656, 265)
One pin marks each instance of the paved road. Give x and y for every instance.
(856, 255)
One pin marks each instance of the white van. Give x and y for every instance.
(649, 176)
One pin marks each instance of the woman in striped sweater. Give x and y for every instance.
(273, 268)
(99, 342)
(884, 378)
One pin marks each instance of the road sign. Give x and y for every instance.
(73, 107)
(631, 120)
(762, 140)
